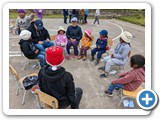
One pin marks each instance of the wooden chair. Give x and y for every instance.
(52, 37)
(48, 100)
(19, 81)
(108, 47)
(129, 94)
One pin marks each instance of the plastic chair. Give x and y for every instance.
(48, 100)
(129, 94)
(19, 81)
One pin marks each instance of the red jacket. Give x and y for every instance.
(132, 79)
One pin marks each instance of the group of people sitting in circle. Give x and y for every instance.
(54, 80)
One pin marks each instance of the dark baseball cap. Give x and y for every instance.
(39, 24)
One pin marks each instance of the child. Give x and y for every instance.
(101, 44)
(56, 81)
(23, 21)
(39, 13)
(28, 48)
(61, 39)
(86, 43)
(97, 13)
(131, 80)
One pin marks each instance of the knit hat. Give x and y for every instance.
(89, 33)
(25, 35)
(54, 57)
(126, 36)
(74, 19)
(39, 24)
(21, 11)
(61, 28)
(103, 32)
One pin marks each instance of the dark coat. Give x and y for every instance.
(28, 48)
(102, 43)
(59, 84)
(74, 32)
(38, 35)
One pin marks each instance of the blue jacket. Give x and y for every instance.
(74, 32)
(102, 43)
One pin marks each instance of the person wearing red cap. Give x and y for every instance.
(55, 81)
(23, 21)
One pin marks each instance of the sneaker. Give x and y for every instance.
(101, 68)
(97, 62)
(108, 93)
(92, 58)
(68, 57)
(79, 57)
(75, 56)
(84, 58)
(116, 88)
(103, 75)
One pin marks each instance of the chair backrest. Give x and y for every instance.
(52, 37)
(47, 99)
(132, 94)
(14, 72)
(110, 42)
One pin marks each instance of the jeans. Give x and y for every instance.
(112, 86)
(100, 52)
(42, 59)
(96, 20)
(85, 18)
(65, 19)
(75, 47)
(41, 47)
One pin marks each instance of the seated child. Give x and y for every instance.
(23, 21)
(101, 44)
(86, 43)
(61, 39)
(131, 80)
(28, 48)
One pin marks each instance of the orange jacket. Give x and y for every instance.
(86, 42)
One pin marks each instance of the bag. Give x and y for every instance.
(30, 81)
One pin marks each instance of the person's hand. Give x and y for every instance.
(40, 42)
(62, 44)
(47, 40)
(71, 39)
(36, 51)
(112, 55)
(98, 47)
(113, 82)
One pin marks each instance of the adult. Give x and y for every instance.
(65, 14)
(97, 13)
(40, 35)
(74, 35)
(55, 81)
(70, 14)
(120, 55)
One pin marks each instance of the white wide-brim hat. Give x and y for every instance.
(61, 28)
(126, 36)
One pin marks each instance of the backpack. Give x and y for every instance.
(30, 81)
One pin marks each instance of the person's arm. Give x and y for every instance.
(57, 41)
(26, 50)
(124, 54)
(71, 92)
(124, 80)
(30, 17)
(79, 35)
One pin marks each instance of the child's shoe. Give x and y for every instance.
(101, 68)
(84, 58)
(75, 56)
(79, 57)
(92, 58)
(103, 75)
(68, 57)
(108, 93)
(97, 62)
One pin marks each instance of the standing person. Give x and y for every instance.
(120, 55)
(40, 35)
(101, 44)
(57, 82)
(86, 15)
(39, 13)
(28, 48)
(132, 79)
(81, 16)
(61, 39)
(74, 35)
(65, 14)
(23, 21)
(86, 43)
(70, 14)
(97, 13)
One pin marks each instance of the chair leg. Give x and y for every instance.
(24, 95)
(38, 101)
